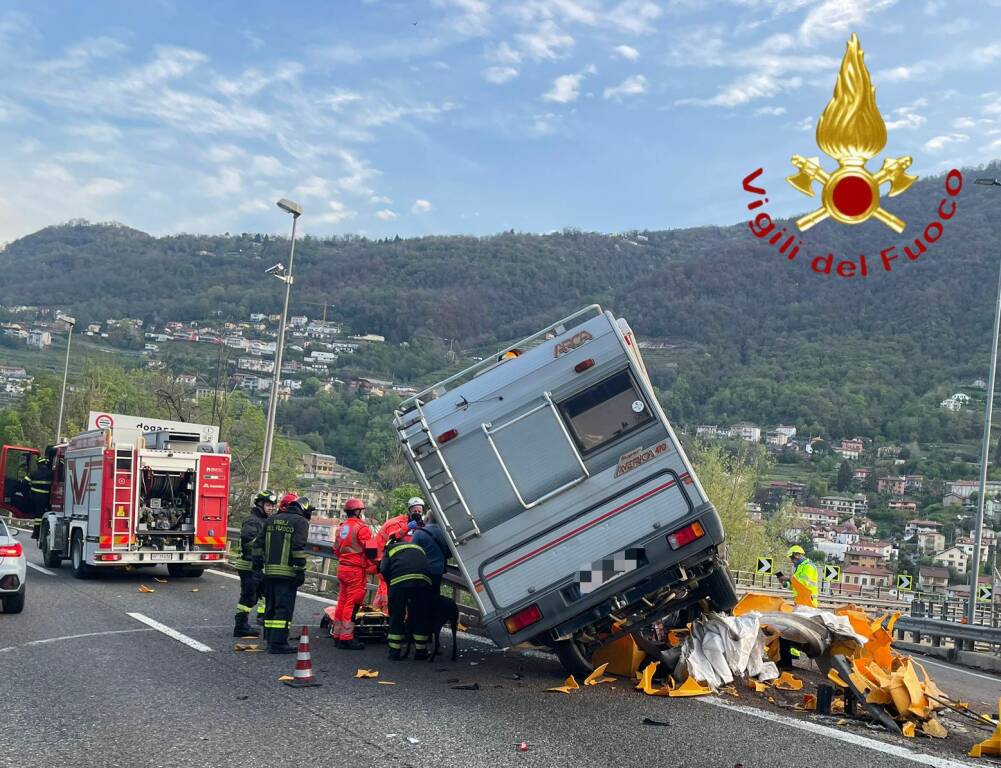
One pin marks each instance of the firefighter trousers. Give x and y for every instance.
(251, 592)
(410, 606)
(279, 607)
(351, 593)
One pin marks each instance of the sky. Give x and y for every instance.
(462, 116)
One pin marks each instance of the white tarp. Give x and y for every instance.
(721, 648)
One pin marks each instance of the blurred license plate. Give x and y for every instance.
(161, 556)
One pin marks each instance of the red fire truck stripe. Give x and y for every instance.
(584, 527)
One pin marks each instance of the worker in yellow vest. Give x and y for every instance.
(805, 580)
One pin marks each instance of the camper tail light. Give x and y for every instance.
(444, 437)
(583, 365)
(108, 558)
(526, 617)
(686, 535)
(211, 556)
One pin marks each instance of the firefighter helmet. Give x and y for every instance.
(265, 496)
(415, 501)
(303, 506)
(354, 505)
(287, 499)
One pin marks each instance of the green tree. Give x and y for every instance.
(10, 429)
(844, 476)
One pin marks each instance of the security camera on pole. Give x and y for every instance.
(279, 271)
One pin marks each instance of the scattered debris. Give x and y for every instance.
(691, 687)
(788, 682)
(285, 678)
(651, 721)
(466, 687)
(523, 747)
(386, 682)
(412, 740)
(242, 697)
(194, 589)
(452, 680)
(367, 673)
(143, 588)
(595, 677)
(249, 647)
(158, 579)
(569, 685)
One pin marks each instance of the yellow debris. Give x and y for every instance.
(249, 647)
(691, 687)
(645, 683)
(835, 678)
(386, 682)
(788, 682)
(756, 686)
(623, 657)
(809, 702)
(367, 673)
(145, 589)
(569, 685)
(755, 601)
(908, 730)
(285, 678)
(991, 746)
(595, 677)
(935, 729)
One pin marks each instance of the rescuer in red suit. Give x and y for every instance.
(351, 547)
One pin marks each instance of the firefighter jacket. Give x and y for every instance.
(353, 537)
(280, 547)
(249, 532)
(404, 563)
(431, 538)
(394, 526)
(40, 485)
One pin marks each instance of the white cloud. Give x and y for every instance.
(103, 187)
(635, 16)
(473, 19)
(253, 81)
(837, 18)
(380, 200)
(806, 124)
(266, 165)
(631, 86)
(626, 52)
(776, 111)
(760, 85)
(385, 214)
(336, 213)
(964, 122)
(52, 173)
(547, 41)
(907, 116)
(898, 74)
(498, 75)
(101, 132)
(568, 11)
(938, 143)
(228, 181)
(503, 53)
(421, 206)
(224, 153)
(358, 173)
(566, 88)
(83, 157)
(954, 27)
(314, 186)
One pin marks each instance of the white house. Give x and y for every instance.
(953, 557)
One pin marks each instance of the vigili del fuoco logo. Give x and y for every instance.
(851, 131)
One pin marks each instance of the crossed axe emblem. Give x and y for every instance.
(855, 177)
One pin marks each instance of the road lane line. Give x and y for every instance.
(38, 568)
(921, 758)
(173, 633)
(951, 668)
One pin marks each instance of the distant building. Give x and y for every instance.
(255, 364)
(966, 543)
(953, 557)
(851, 449)
(778, 492)
(39, 339)
(921, 526)
(319, 466)
(329, 498)
(747, 432)
(966, 488)
(902, 505)
(979, 384)
(933, 579)
(322, 528)
(788, 431)
(892, 484)
(817, 516)
(913, 483)
(930, 542)
(848, 506)
(777, 439)
(370, 337)
(188, 379)
(866, 577)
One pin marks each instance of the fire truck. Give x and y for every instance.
(572, 510)
(129, 492)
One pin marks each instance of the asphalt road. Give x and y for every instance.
(86, 684)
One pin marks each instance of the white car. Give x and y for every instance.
(13, 569)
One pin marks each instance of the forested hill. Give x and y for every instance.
(772, 338)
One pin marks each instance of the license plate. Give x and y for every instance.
(610, 568)
(161, 556)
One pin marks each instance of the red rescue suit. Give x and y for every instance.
(394, 526)
(350, 541)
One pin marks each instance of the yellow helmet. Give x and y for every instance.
(796, 549)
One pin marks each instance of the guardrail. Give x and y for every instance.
(963, 636)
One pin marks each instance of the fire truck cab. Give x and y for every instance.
(572, 510)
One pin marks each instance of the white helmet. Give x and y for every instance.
(414, 502)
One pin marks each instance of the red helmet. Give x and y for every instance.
(354, 505)
(287, 499)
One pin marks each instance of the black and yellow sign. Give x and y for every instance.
(905, 582)
(765, 565)
(832, 572)
(985, 593)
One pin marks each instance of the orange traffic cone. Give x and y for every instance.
(303, 675)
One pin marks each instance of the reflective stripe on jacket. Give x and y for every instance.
(404, 562)
(282, 545)
(806, 583)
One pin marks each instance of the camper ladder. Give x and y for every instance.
(123, 506)
(429, 461)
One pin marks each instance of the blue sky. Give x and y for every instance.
(461, 116)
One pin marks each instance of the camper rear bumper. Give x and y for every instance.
(565, 610)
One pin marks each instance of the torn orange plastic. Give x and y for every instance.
(935, 729)
(623, 657)
(646, 678)
(809, 702)
(991, 745)
(569, 685)
(761, 603)
(788, 682)
(691, 687)
(835, 678)
(595, 676)
(908, 730)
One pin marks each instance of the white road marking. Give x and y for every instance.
(926, 660)
(71, 637)
(920, 758)
(172, 633)
(38, 568)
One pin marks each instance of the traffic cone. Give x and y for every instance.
(303, 675)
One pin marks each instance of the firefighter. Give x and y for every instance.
(352, 549)
(395, 526)
(431, 538)
(251, 579)
(405, 568)
(805, 581)
(280, 551)
(40, 487)
(287, 499)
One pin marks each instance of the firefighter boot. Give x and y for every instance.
(394, 654)
(242, 628)
(351, 645)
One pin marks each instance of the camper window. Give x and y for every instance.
(605, 412)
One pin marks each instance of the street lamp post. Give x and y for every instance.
(71, 322)
(985, 447)
(280, 272)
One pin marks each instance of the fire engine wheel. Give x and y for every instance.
(575, 656)
(179, 570)
(49, 558)
(80, 568)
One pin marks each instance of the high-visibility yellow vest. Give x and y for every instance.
(806, 583)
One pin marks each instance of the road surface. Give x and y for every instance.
(87, 681)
